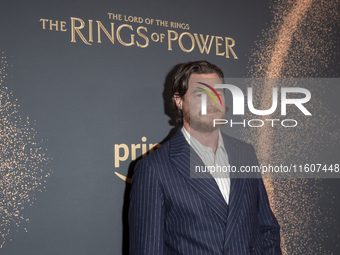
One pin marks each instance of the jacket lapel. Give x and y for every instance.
(185, 161)
(237, 159)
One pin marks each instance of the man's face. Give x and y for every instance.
(191, 105)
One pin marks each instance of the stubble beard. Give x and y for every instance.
(197, 124)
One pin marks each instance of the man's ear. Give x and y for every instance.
(179, 100)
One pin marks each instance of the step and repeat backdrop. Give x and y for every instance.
(85, 93)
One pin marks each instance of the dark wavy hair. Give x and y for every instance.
(181, 81)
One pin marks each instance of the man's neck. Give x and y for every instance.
(207, 139)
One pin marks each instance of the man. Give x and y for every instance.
(171, 212)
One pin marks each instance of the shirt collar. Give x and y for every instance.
(200, 147)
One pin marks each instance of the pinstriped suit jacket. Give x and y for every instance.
(171, 213)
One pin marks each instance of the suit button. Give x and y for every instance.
(227, 253)
(251, 249)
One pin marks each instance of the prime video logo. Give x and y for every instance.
(239, 102)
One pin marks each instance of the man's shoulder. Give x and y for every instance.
(235, 141)
(161, 156)
(157, 163)
(175, 143)
(158, 152)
